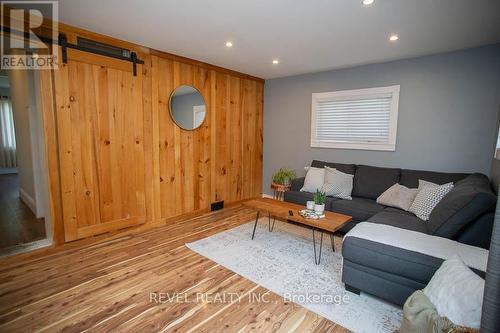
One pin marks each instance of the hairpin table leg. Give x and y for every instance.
(255, 225)
(317, 259)
(269, 225)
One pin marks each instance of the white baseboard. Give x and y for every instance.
(264, 195)
(28, 200)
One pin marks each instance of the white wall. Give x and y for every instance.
(24, 109)
(5, 91)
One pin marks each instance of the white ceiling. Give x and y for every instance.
(305, 35)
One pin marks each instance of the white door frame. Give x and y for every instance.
(198, 109)
(40, 168)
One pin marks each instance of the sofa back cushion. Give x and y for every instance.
(345, 168)
(409, 178)
(470, 198)
(370, 182)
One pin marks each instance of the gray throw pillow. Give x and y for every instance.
(428, 196)
(337, 184)
(398, 196)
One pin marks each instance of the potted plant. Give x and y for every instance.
(319, 202)
(283, 176)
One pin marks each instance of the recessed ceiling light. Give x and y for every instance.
(276, 61)
(393, 37)
(367, 2)
(229, 44)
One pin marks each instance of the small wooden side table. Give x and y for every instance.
(279, 190)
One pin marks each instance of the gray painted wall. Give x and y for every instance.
(447, 113)
(182, 108)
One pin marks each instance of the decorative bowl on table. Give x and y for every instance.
(310, 214)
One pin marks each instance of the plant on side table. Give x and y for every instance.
(283, 176)
(319, 202)
(282, 180)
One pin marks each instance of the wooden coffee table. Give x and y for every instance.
(289, 212)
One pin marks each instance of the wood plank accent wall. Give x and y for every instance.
(175, 172)
(221, 160)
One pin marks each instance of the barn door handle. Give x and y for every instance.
(63, 41)
(133, 57)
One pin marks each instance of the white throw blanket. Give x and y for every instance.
(434, 246)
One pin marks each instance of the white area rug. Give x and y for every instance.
(283, 262)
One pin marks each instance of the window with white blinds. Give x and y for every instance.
(355, 119)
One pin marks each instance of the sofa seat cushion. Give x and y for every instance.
(384, 258)
(400, 219)
(370, 182)
(360, 209)
(410, 178)
(407, 240)
(301, 198)
(469, 199)
(403, 257)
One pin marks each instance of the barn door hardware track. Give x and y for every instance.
(65, 45)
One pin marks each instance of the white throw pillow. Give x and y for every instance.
(457, 293)
(428, 196)
(315, 178)
(337, 184)
(398, 196)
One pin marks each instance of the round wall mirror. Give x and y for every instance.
(187, 107)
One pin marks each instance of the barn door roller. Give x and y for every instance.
(102, 49)
(85, 45)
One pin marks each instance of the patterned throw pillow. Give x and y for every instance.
(337, 184)
(315, 178)
(428, 196)
(398, 196)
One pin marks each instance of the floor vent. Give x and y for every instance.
(217, 205)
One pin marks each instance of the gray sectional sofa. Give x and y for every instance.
(465, 214)
(465, 217)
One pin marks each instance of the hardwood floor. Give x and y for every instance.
(122, 284)
(18, 224)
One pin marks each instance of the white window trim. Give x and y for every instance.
(362, 93)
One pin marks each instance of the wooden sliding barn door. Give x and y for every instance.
(100, 125)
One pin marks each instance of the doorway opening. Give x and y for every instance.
(24, 220)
